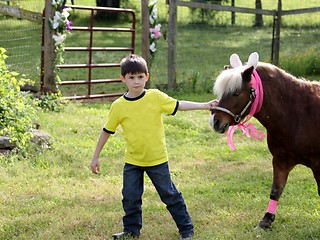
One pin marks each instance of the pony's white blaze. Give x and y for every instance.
(229, 81)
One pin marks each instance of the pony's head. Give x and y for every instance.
(234, 90)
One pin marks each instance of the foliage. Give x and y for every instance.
(51, 102)
(17, 111)
(302, 63)
(205, 15)
(195, 83)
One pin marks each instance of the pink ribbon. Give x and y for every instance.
(249, 129)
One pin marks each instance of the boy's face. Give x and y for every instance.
(135, 82)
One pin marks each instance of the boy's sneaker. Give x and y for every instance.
(186, 236)
(125, 235)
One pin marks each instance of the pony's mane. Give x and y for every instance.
(228, 81)
(275, 72)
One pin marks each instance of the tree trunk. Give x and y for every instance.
(258, 20)
(107, 15)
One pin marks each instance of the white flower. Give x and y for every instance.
(56, 2)
(157, 27)
(65, 12)
(155, 12)
(56, 20)
(151, 20)
(153, 47)
(59, 38)
(67, 9)
(153, 2)
(153, 15)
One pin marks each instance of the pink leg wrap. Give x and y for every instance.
(272, 207)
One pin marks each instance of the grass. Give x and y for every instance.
(53, 195)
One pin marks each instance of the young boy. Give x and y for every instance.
(139, 112)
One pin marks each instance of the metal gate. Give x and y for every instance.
(90, 49)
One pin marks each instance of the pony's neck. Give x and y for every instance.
(280, 91)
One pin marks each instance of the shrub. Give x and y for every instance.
(17, 111)
(51, 102)
(302, 64)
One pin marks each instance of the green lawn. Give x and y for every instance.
(53, 195)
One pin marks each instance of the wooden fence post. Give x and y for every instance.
(233, 14)
(276, 38)
(49, 83)
(172, 39)
(145, 28)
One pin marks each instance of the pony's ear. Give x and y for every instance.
(253, 60)
(235, 61)
(246, 75)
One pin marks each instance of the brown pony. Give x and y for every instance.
(290, 112)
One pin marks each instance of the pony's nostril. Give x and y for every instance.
(219, 126)
(216, 122)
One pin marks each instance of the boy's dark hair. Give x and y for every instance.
(133, 64)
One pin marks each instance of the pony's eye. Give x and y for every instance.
(236, 94)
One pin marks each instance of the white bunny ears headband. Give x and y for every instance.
(252, 60)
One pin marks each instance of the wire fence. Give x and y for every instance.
(196, 30)
(22, 39)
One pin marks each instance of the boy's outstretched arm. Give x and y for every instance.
(95, 165)
(187, 105)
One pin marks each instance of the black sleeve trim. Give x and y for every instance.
(107, 131)
(176, 108)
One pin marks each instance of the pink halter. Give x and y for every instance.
(249, 129)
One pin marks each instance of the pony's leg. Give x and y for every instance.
(316, 174)
(280, 176)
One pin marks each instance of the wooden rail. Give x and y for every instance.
(20, 13)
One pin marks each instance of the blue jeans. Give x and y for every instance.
(132, 197)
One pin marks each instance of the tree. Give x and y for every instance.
(107, 3)
(258, 19)
(205, 15)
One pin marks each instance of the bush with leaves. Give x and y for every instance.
(17, 111)
(51, 102)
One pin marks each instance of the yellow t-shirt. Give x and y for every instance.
(141, 121)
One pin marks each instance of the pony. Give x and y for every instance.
(288, 108)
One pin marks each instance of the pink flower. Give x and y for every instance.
(68, 25)
(155, 32)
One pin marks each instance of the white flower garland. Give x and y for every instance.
(61, 25)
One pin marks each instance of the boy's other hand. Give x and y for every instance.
(95, 165)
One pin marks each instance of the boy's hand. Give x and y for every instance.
(95, 165)
(213, 104)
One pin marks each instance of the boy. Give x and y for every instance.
(139, 112)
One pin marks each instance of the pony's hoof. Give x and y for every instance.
(264, 225)
(266, 221)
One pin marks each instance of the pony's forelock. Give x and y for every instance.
(228, 81)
